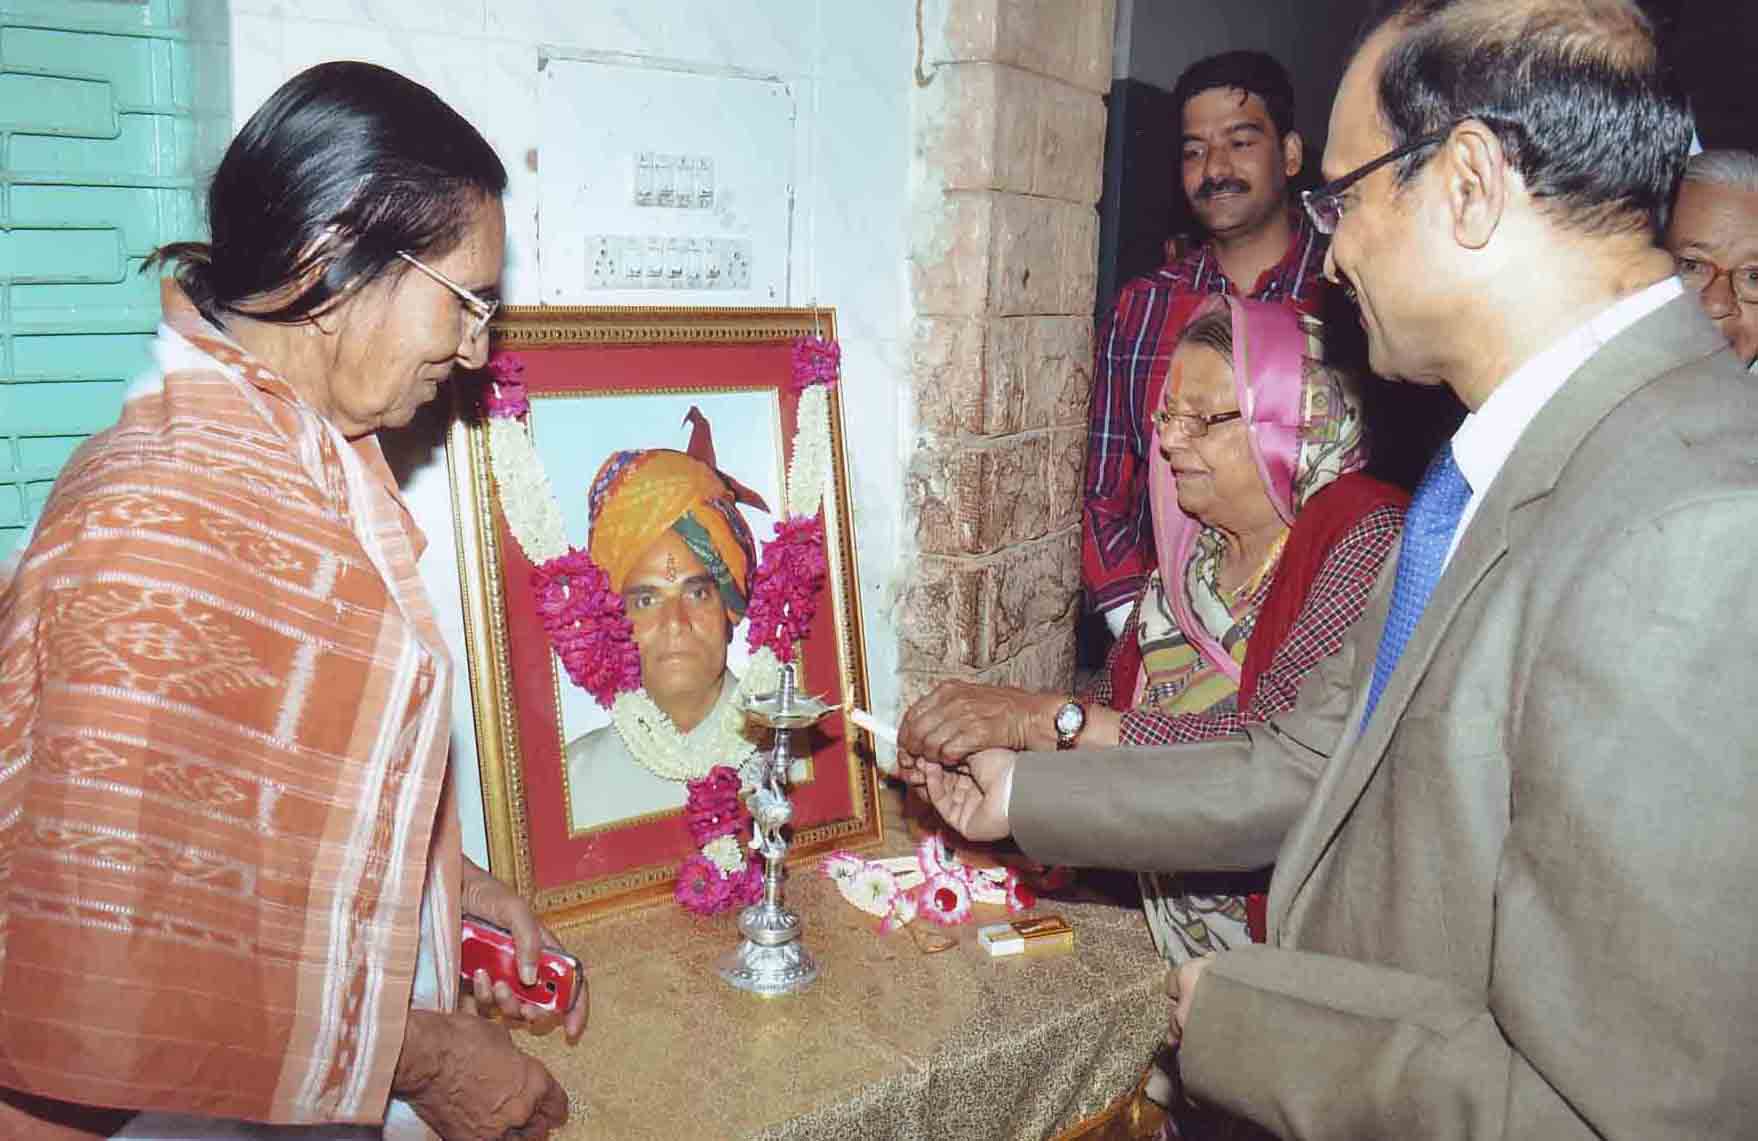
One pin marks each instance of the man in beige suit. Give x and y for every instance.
(1512, 899)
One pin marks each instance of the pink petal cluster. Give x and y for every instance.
(747, 886)
(586, 624)
(701, 888)
(505, 398)
(816, 361)
(784, 591)
(712, 807)
(704, 889)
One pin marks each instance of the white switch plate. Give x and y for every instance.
(650, 262)
(616, 135)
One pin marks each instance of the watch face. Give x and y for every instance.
(1069, 719)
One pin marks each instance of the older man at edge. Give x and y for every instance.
(1714, 239)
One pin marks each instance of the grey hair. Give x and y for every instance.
(1734, 168)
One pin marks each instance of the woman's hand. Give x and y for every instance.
(466, 1079)
(488, 898)
(959, 718)
(1181, 989)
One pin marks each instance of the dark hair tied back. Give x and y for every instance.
(343, 167)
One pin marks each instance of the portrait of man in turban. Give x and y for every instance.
(667, 529)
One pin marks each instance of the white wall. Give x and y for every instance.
(852, 64)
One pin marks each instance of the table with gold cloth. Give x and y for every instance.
(889, 1042)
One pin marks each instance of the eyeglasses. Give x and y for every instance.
(1698, 274)
(480, 308)
(1194, 425)
(1325, 204)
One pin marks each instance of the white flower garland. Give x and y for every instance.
(527, 500)
(808, 472)
(655, 742)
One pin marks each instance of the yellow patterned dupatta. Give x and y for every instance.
(1177, 677)
(1305, 430)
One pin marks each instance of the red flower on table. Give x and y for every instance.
(946, 899)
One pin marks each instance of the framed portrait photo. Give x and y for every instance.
(574, 822)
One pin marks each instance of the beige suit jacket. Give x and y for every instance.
(1517, 905)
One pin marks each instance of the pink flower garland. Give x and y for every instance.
(784, 591)
(816, 361)
(712, 810)
(586, 624)
(505, 398)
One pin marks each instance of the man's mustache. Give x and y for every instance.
(1213, 186)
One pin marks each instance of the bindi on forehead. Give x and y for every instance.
(1201, 380)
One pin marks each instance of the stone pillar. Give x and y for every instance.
(1009, 139)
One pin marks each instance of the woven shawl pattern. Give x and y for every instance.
(224, 711)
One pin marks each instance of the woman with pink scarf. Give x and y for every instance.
(1269, 538)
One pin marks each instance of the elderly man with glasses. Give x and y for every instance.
(1510, 904)
(1714, 239)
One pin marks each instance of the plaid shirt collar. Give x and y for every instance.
(1293, 277)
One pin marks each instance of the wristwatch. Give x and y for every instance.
(1071, 718)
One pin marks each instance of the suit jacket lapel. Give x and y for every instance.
(1671, 336)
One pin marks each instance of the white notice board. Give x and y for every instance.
(663, 187)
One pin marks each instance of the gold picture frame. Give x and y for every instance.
(636, 361)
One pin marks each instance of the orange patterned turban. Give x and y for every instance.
(639, 495)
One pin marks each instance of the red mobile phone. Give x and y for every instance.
(491, 948)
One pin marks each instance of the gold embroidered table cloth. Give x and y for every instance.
(888, 1043)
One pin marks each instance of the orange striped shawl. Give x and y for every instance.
(223, 741)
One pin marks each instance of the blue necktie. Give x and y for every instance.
(1422, 554)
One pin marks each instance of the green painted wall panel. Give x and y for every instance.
(73, 355)
(46, 453)
(137, 69)
(142, 214)
(55, 105)
(106, 14)
(64, 407)
(99, 131)
(63, 254)
(130, 303)
(142, 144)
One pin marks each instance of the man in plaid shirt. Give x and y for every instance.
(1240, 149)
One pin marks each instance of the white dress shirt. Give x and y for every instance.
(1487, 437)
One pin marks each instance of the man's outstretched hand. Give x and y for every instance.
(975, 803)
